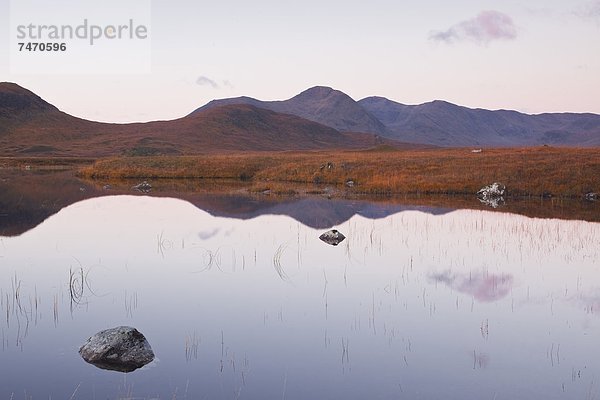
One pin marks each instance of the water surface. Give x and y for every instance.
(456, 305)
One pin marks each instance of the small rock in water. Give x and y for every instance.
(591, 196)
(143, 187)
(332, 237)
(492, 195)
(122, 349)
(494, 190)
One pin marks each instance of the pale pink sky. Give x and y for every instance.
(532, 56)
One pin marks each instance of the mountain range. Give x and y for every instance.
(436, 123)
(31, 126)
(319, 118)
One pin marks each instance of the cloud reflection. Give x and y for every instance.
(205, 235)
(482, 286)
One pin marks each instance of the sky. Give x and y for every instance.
(532, 56)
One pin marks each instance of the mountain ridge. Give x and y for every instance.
(438, 122)
(31, 126)
(317, 118)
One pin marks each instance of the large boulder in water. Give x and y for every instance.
(332, 237)
(122, 349)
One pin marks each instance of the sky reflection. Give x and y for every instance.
(411, 305)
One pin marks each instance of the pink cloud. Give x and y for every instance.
(486, 27)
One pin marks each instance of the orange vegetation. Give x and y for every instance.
(567, 172)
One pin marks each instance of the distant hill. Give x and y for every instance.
(437, 123)
(31, 126)
(446, 124)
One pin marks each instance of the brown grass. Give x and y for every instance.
(566, 172)
(43, 163)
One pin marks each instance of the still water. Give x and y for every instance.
(464, 304)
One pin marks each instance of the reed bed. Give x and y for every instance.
(540, 171)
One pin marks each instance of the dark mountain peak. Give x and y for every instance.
(333, 108)
(322, 95)
(319, 92)
(15, 100)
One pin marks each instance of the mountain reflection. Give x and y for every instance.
(28, 198)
